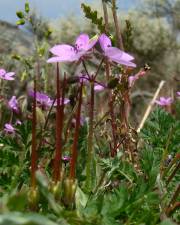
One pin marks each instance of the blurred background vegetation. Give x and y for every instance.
(151, 32)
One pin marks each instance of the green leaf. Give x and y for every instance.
(27, 8)
(43, 189)
(81, 198)
(19, 205)
(167, 222)
(20, 22)
(25, 219)
(20, 14)
(93, 16)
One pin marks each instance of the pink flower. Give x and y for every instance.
(163, 101)
(66, 101)
(178, 94)
(18, 122)
(6, 76)
(132, 79)
(43, 99)
(66, 158)
(98, 87)
(115, 54)
(8, 128)
(13, 104)
(69, 53)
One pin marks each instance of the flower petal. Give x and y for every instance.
(117, 53)
(82, 42)
(10, 74)
(122, 62)
(61, 59)
(98, 87)
(62, 50)
(104, 42)
(2, 72)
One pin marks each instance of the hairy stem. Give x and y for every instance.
(173, 173)
(59, 127)
(76, 136)
(33, 147)
(90, 140)
(173, 200)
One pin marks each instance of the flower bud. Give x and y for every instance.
(55, 189)
(70, 187)
(33, 198)
(27, 9)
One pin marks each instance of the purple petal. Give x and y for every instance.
(117, 53)
(61, 59)
(2, 72)
(123, 62)
(98, 87)
(66, 158)
(131, 80)
(6, 76)
(159, 102)
(18, 122)
(66, 101)
(178, 93)
(62, 50)
(9, 128)
(104, 42)
(82, 42)
(13, 104)
(164, 101)
(10, 74)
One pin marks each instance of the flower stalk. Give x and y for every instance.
(33, 147)
(111, 98)
(76, 136)
(90, 139)
(59, 127)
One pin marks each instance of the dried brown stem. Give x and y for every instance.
(117, 27)
(149, 108)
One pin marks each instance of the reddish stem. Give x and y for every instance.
(113, 125)
(76, 136)
(59, 127)
(33, 147)
(90, 139)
